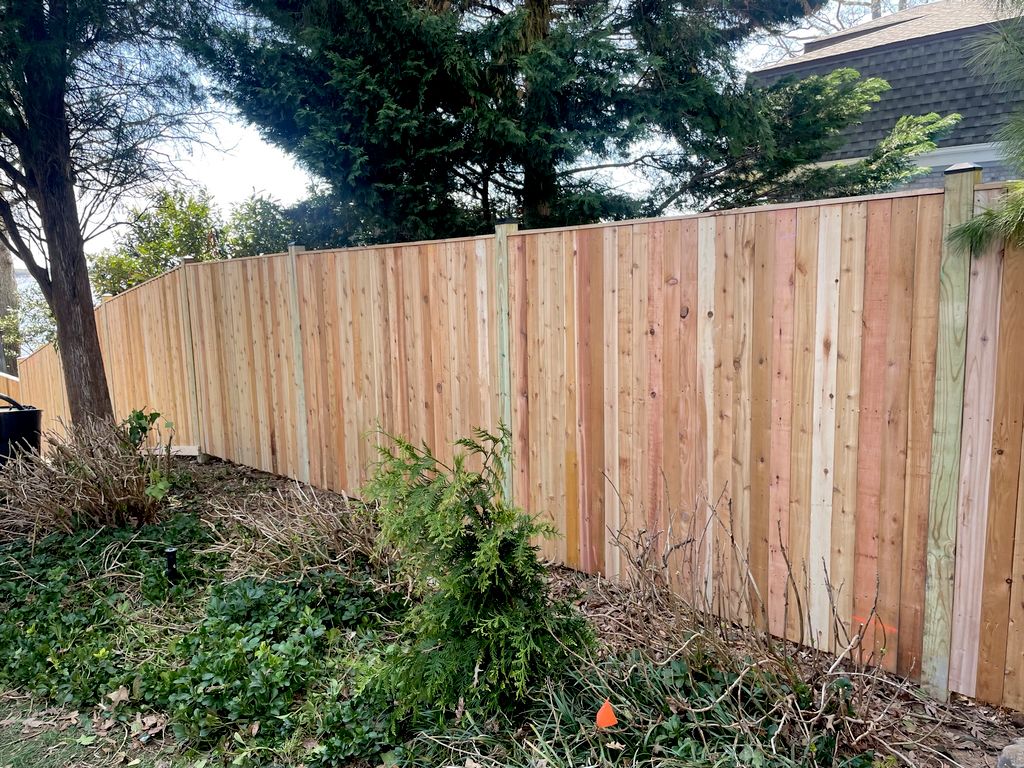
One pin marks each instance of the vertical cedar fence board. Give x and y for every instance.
(824, 383)
(10, 386)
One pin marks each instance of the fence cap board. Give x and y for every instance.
(749, 209)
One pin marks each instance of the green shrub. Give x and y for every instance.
(486, 629)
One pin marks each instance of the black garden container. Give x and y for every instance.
(20, 428)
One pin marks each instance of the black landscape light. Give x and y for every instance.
(172, 565)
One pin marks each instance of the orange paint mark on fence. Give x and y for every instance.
(889, 630)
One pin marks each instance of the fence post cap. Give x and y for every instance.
(961, 168)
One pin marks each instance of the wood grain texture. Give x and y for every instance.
(725, 373)
(847, 418)
(761, 413)
(903, 234)
(591, 365)
(782, 414)
(298, 381)
(1013, 671)
(706, 269)
(1004, 484)
(823, 436)
(610, 381)
(871, 421)
(949, 397)
(923, 342)
(503, 314)
(742, 361)
(804, 355)
(975, 461)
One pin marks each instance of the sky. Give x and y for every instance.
(238, 163)
(232, 164)
(241, 163)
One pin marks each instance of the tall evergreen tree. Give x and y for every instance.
(436, 117)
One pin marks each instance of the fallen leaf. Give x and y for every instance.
(118, 696)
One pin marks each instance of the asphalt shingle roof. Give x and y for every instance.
(924, 53)
(913, 24)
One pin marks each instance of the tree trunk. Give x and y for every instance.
(8, 304)
(70, 299)
(540, 181)
(77, 339)
(48, 161)
(540, 188)
(876, 9)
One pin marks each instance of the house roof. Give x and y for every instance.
(913, 24)
(924, 53)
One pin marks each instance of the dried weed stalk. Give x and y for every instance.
(692, 594)
(294, 530)
(92, 476)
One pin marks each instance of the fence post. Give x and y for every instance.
(950, 360)
(190, 355)
(299, 363)
(504, 308)
(111, 388)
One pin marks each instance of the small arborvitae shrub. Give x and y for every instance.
(486, 628)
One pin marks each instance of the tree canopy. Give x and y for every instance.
(174, 223)
(91, 93)
(433, 118)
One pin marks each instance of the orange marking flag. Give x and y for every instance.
(606, 715)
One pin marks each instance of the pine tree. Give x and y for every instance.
(1000, 55)
(433, 118)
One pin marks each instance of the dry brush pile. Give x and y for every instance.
(95, 474)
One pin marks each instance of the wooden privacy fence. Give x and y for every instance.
(10, 386)
(822, 383)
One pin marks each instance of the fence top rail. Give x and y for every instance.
(33, 353)
(749, 209)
